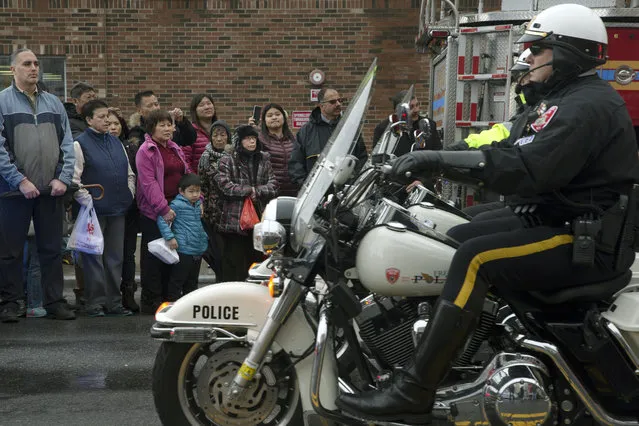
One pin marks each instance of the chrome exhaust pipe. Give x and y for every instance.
(552, 352)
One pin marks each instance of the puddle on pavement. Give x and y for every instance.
(15, 383)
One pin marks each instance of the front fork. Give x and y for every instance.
(277, 315)
(323, 339)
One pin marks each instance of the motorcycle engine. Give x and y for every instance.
(513, 389)
(385, 325)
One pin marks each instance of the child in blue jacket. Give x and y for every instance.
(187, 236)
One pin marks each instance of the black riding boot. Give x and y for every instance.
(128, 295)
(411, 396)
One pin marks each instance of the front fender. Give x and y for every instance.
(232, 306)
(229, 305)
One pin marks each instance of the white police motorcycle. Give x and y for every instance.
(248, 354)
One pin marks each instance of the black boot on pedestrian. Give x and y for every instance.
(9, 312)
(22, 308)
(149, 303)
(80, 300)
(149, 309)
(411, 395)
(128, 296)
(60, 311)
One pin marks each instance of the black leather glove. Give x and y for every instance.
(424, 163)
(457, 146)
(429, 163)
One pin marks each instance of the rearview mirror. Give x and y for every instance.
(345, 170)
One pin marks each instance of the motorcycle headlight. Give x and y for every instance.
(268, 236)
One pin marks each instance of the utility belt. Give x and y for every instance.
(533, 215)
(615, 232)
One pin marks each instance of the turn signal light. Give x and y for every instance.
(274, 287)
(162, 306)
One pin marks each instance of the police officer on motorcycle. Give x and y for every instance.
(570, 164)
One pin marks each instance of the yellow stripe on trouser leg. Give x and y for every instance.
(504, 253)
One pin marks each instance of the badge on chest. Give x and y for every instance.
(545, 115)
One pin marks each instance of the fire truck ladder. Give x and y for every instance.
(483, 83)
(482, 89)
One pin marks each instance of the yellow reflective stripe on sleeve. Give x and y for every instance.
(504, 253)
(522, 98)
(311, 156)
(495, 134)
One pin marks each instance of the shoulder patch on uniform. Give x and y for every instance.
(544, 119)
(524, 141)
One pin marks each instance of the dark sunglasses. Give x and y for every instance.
(536, 49)
(334, 101)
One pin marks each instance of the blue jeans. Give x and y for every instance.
(33, 281)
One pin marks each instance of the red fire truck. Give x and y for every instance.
(471, 44)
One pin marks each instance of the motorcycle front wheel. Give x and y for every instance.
(190, 384)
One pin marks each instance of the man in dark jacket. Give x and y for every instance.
(146, 102)
(432, 141)
(81, 93)
(312, 138)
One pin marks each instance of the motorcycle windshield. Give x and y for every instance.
(341, 143)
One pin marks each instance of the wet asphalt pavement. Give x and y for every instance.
(91, 371)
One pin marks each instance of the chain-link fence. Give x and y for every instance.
(467, 6)
(472, 6)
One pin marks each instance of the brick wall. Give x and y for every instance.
(243, 52)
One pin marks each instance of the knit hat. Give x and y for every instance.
(244, 131)
(222, 124)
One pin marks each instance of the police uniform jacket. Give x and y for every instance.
(577, 145)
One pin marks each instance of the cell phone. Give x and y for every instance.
(257, 111)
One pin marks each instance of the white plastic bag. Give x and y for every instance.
(160, 249)
(87, 235)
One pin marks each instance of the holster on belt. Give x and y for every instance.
(586, 230)
(620, 227)
(629, 238)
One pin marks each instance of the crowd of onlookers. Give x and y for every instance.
(165, 175)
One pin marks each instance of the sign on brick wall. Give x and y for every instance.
(314, 93)
(299, 118)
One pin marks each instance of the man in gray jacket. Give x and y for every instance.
(36, 158)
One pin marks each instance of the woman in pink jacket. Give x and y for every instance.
(203, 115)
(161, 164)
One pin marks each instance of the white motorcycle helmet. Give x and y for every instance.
(573, 29)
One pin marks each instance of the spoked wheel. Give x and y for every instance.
(191, 382)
